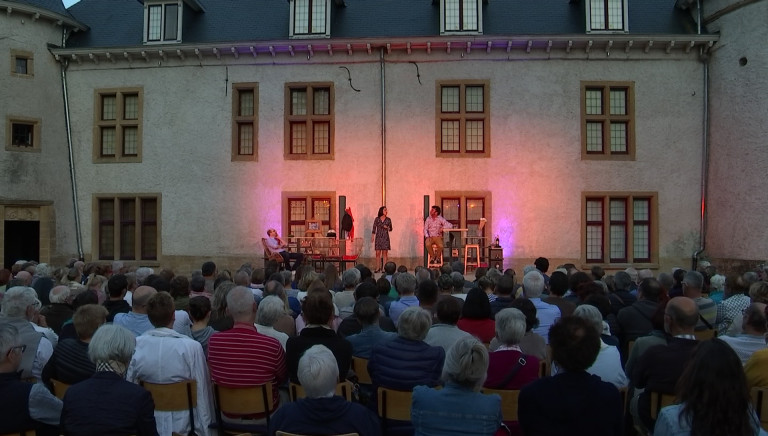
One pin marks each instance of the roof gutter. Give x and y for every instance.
(68, 124)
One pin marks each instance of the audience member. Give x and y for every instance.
(558, 286)
(25, 406)
(367, 312)
(658, 336)
(585, 405)
(444, 332)
(476, 317)
(166, 356)
(621, 297)
(117, 287)
(754, 328)
(106, 404)
(693, 283)
(200, 314)
(180, 291)
(406, 287)
(20, 306)
(59, 310)
(505, 292)
(269, 311)
(714, 397)
(137, 320)
(322, 412)
(70, 363)
(509, 367)
(548, 314)
(241, 356)
(459, 408)
(349, 279)
(635, 320)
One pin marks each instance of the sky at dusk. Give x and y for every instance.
(68, 3)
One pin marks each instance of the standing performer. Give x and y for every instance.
(382, 225)
(433, 232)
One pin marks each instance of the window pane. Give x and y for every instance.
(171, 22)
(594, 210)
(298, 102)
(595, 242)
(322, 101)
(318, 16)
(154, 22)
(618, 210)
(106, 229)
(618, 99)
(474, 97)
(450, 135)
(322, 138)
(245, 141)
(107, 141)
(451, 15)
(298, 138)
(108, 107)
(474, 209)
(597, 14)
(131, 106)
(594, 137)
(641, 209)
(149, 228)
(641, 247)
(451, 210)
(470, 15)
(615, 14)
(321, 209)
(21, 65)
(127, 229)
(246, 103)
(618, 242)
(450, 99)
(298, 210)
(22, 135)
(130, 141)
(475, 135)
(301, 16)
(618, 137)
(594, 101)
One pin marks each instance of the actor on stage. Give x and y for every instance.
(382, 225)
(433, 232)
(276, 245)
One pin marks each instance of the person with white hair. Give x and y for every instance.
(322, 412)
(19, 308)
(607, 366)
(60, 308)
(350, 279)
(548, 314)
(271, 309)
(106, 403)
(717, 288)
(509, 367)
(459, 408)
(25, 406)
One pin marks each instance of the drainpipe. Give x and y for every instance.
(68, 123)
(382, 72)
(704, 57)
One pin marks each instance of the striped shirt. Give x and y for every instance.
(242, 356)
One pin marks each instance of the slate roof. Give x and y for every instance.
(118, 23)
(56, 6)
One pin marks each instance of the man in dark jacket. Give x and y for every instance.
(635, 320)
(321, 412)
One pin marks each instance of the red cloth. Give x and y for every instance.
(483, 329)
(352, 230)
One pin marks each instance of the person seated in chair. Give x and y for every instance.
(322, 412)
(276, 245)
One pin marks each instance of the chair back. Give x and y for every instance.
(509, 400)
(172, 397)
(705, 335)
(394, 404)
(660, 400)
(343, 389)
(249, 400)
(360, 366)
(760, 403)
(268, 254)
(59, 388)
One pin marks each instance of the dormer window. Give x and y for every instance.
(162, 22)
(461, 17)
(310, 18)
(607, 16)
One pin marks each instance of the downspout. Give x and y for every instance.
(382, 72)
(68, 124)
(704, 57)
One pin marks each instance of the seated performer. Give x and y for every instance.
(433, 232)
(276, 245)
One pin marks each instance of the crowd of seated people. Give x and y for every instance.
(573, 344)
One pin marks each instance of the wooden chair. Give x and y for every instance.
(660, 400)
(760, 404)
(59, 388)
(509, 400)
(393, 405)
(705, 335)
(343, 389)
(360, 366)
(269, 255)
(250, 400)
(283, 433)
(545, 368)
(20, 433)
(173, 397)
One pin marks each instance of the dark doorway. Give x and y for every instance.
(22, 241)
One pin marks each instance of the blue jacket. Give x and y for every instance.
(402, 364)
(320, 416)
(454, 410)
